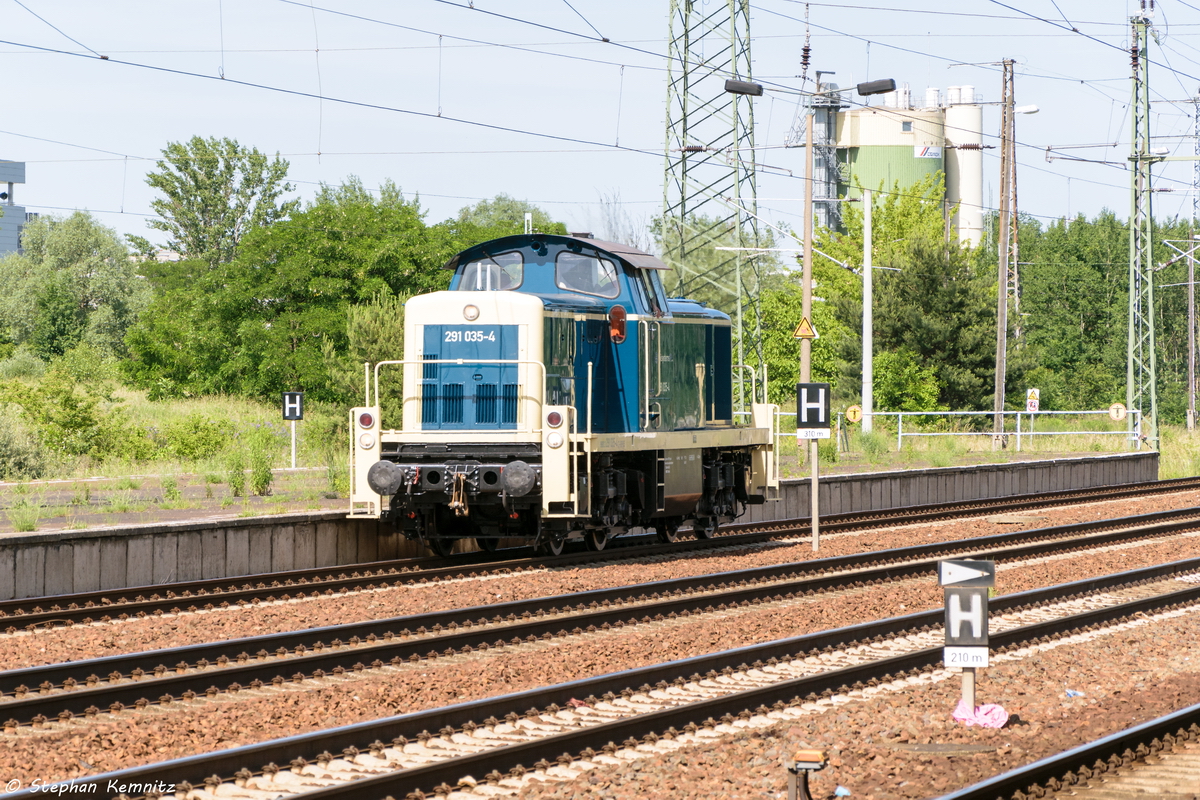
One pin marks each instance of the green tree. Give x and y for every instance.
(900, 217)
(374, 332)
(504, 216)
(941, 309)
(270, 319)
(902, 383)
(215, 192)
(74, 282)
(1074, 310)
(781, 306)
(58, 322)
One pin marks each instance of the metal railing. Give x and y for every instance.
(1024, 426)
(1133, 434)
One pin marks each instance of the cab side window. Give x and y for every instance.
(651, 286)
(586, 274)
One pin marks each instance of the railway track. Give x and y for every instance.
(560, 730)
(111, 684)
(138, 602)
(1159, 759)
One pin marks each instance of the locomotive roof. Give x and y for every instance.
(625, 252)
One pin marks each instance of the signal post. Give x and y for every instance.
(965, 584)
(812, 423)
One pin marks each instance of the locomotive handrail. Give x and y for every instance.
(589, 400)
(540, 399)
(644, 325)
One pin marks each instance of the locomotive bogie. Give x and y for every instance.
(554, 393)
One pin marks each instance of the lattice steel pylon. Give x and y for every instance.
(1141, 381)
(709, 188)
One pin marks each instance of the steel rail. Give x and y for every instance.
(1115, 750)
(143, 601)
(226, 764)
(248, 660)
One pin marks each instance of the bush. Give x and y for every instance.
(117, 436)
(261, 445)
(873, 443)
(337, 474)
(23, 363)
(170, 490)
(827, 451)
(24, 514)
(86, 365)
(196, 437)
(21, 454)
(236, 473)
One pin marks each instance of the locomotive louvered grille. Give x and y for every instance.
(485, 403)
(468, 389)
(429, 399)
(452, 403)
(510, 404)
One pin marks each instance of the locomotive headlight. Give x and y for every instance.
(554, 440)
(366, 441)
(471, 313)
(554, 419)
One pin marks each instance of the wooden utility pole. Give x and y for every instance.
(1006, 137)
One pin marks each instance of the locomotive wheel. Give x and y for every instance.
(487, 545)
(704, 528)
(595, 539)
(668, 532)
(441, 547)
(551, 546)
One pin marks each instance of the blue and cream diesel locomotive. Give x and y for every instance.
(554, 393)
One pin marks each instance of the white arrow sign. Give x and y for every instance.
(956, 572)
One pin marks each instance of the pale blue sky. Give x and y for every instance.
(551, 80)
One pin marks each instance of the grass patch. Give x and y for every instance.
(24, 516)
(176, 505)
(81, 495)
(120, 502)
(941, 458)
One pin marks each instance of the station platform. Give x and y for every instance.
(68, 561)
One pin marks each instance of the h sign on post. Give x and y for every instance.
(966, 617)
(812, 410)
(966, 583)
(293, 405)
(293, 409)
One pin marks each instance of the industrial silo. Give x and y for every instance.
(898, 143)
(964, 163)
(890, 143)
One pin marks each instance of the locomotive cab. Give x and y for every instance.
(554, 392)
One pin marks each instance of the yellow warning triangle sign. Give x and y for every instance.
(804, 330)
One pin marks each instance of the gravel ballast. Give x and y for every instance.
(112, 742)
(55, 645)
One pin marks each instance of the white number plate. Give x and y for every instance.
(470, 336)
(812, 433)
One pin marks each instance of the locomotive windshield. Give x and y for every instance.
(586, 274)
(493, 273)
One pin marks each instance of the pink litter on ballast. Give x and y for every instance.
(988, 715)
